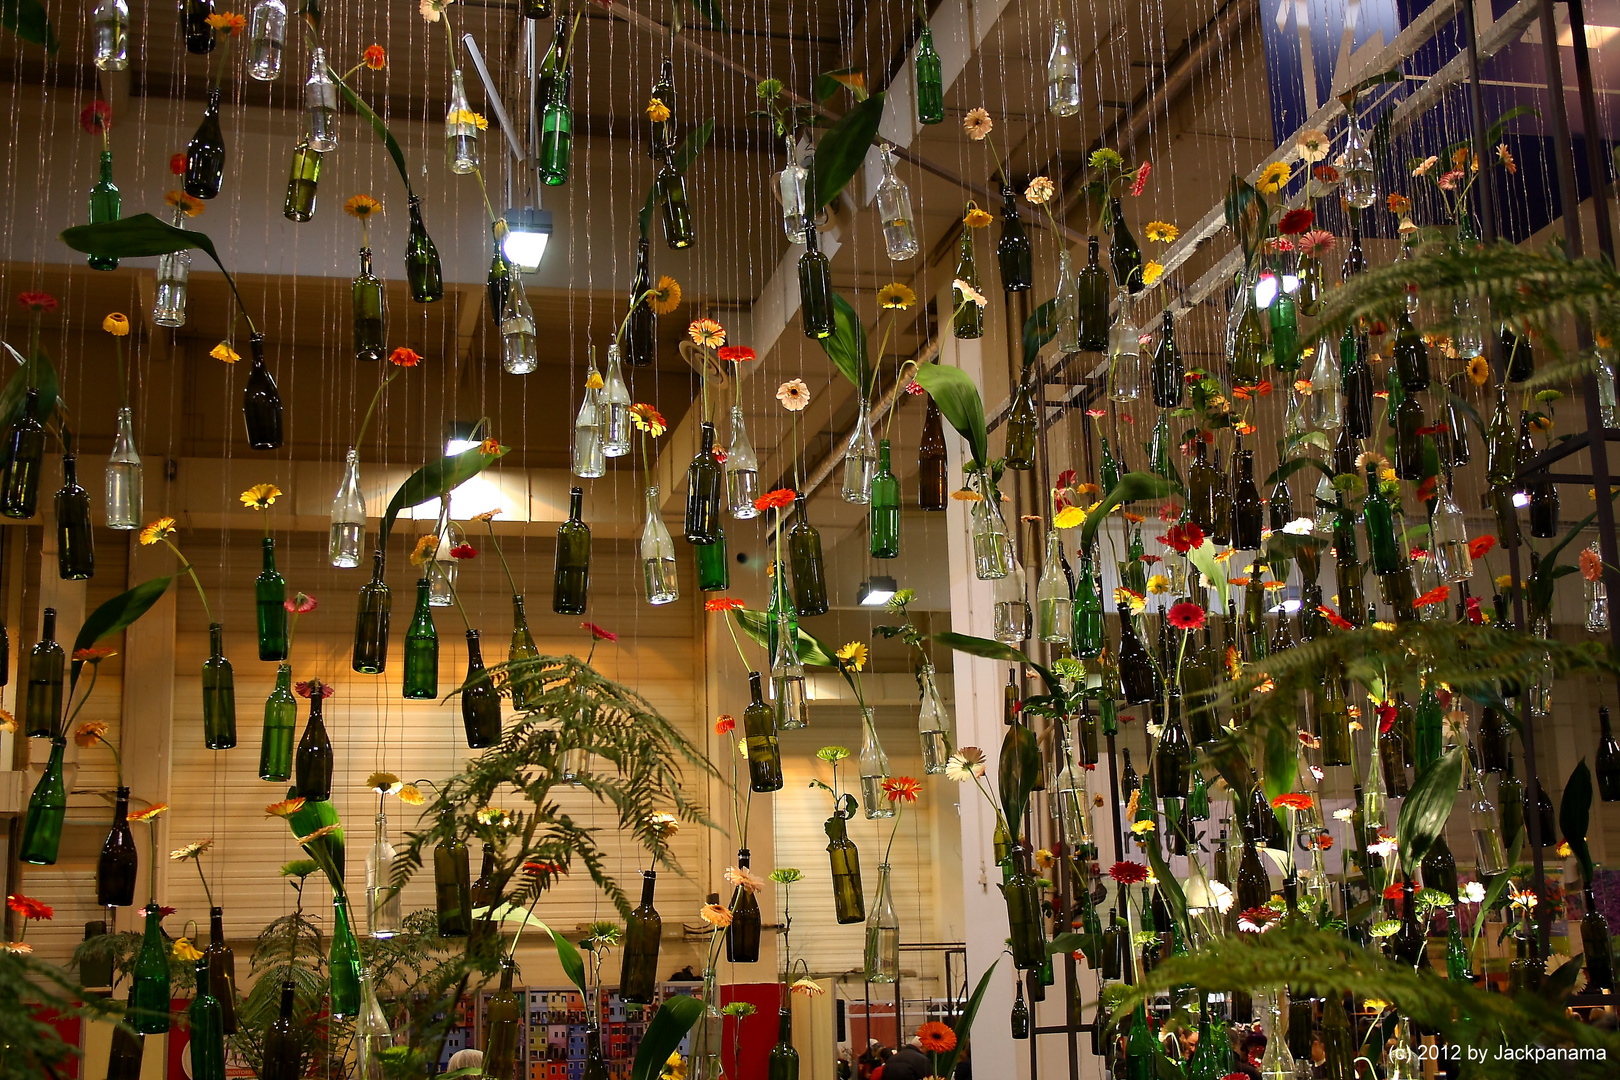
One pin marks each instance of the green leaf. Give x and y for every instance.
(39, 373)
(1575, 815)
(1289, 468)
(995, 650)
(964, 1026)
(686, 152)
(377, 125)
(1074, 941)
(713, 14)
(1493, 134)
(1017, 772)
(140, 236)
(960, 404)
(1203, 559)
(846, 346)
(1039, 328)
(665, 1031)
(1131, 487)
(755, 628)
(1282, 764)
(1556, 987)
(828, 83)
(114, 615)
(1427, 806)
(841, 151)
(435, 480)
(1348, 98)
(27, 19)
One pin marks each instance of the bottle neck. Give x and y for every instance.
(216, 926)
(883, 455)
(377, 567)
(287, 989)
(424, 589)
(269, 546)
(474, 653)
(754, 688)
(317, 695)
(649, 880)
(216, 640)
(47, 626)
(520, 619)
(576, 502)
(708, 438)
(742, 858)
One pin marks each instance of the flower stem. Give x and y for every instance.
(370, 409)
(496, 541)
(186, 566)
(209, 893)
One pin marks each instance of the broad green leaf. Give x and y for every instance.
(846, 346)
(828, 83)
(434, 481)
(1203, 558)
(1040, 328)
(1575, 816)
(1227, 755)
(1427, 806)
(1289, 468)
(115, 615)
(841, 151)
(136, 237)
(964, 1026)
(1131, 487)
(665, 1031)
(376, 123)
(1090, 945)
(991, 649)
(811, 650)
(39, 373)
(1168, 885)
(1348, 98)
(1556, 987)
(686, 152)
(1282, 764)
(1018, 772)
(960, 404)
(27, 19)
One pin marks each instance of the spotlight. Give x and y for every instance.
(876, 591)
(1265, 290)
(1521, 499)
(528, 229)
(459, 437)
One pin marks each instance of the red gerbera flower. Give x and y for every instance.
(936, 1038)
(1067, 477)
(28, 907)
(299, 604)
(1184, 537)
(1128, 873)
(1393, 892)
(725, 724)
(1471, 608)
(736, 353)
(1326, 173)
(774, 500)
(1479, 546)
(96, 116)
(463, 551)
(177, 163)
(901, 789)
(403, 357)
(598, 633)
(1139, 185)
(1186, 616)
(1334, 618)
(1386, 718)
(1293, 800)
(37, 301)
(723, 603)
(536, 869)
(1437, 595)
(1296, 221)
(304, 689)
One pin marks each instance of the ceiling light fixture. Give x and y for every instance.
(876, 591)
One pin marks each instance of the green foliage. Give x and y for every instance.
(435, 480)
(1575, 815)
(686, 152)
(389, 142)
(1427, 806)
(27, 19)
(1040, 328)
(964, 1026)
(1018, 771)
(811, 650)
(29, 1047)
(1131, 487)
(142, 236)
(292, 949)
(665, 1031)
(38, 373)
(961, 406)
(841, 151)
(846, 346)
(115, 615)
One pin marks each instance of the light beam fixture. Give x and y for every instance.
(876, 591)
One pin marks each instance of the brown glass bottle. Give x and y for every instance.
(1248, 512)
(931, 461)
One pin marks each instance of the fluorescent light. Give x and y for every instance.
(877, 591)
(1290, 283)
(459, 437)
(1265, 290)
(527, 232)
(459, 446)
(1521, 499)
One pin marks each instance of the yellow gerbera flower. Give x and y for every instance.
(411, 795)
(666, 297)
(657, 111)
(593, 381)
(1158, 584)
(647, 418)
(424, 549)
(384, 783)
(853, 655)
(149, 813)
(1274, 177)
(185, 950)
(1162, 231)
(85, 735)
(707, 333)
(896, 297)
(1152, 272)
(362, 206)
(116, 324)
(260, 496)
(975, 218)
(161, 529)
(1069, 517)
(223, 351)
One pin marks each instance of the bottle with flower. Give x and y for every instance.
(346, 537)
(205, 153)
(281, 708)
(366, 293)
(480, 700)
(882, 953)
(849, 900)
(105, 202)
(218, 680)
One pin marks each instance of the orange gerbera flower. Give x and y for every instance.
(403, 357)
(936, 1038)
(901, 788)
(774, 500)
(285, 808)
(707, 333)
(725, 724)
(1293, 800)
(723, 603)
(374, 57)
(1437, 595)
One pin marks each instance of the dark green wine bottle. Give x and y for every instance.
(849, 900)
(677, 217)
(270, 601)
(1018, 1020)
(1169, 369)
(261, 401)
(370, 319)
(1356, 378)
(480, 702)
(1380, 525)
(280, 721)
(75, 543)
(313, 761)
(42, 702)
(118, 862)
(303, 183)
(221, 962)
(1023, 426)
(283, 1044)
(713, 564)
(783, 1062)
(643, 934)
(705, 489)
(1516, 350)
(883, 514)
(1014, 256)
(570, 583)
(804, 555)
(105, 205)
(930, 81)
(1137, 681)
(128, 1048)
(205, 153)
(967, 317)
(24, 452)
(815, 287)
(47, 810)
(556, 135)
(759, 727)
(1091, 290)
(641, 332)
(149, 993)
(525, 683)
(1123, 252)
(742, 935)
(1248, 511)
(207, 1029)
(452, 880)
(422, 268)
(1411, 355)
(1408, 443)
(371, 621)
(218, 694)
(422, 649)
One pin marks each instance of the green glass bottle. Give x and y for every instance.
(1411, 355)
(1169, 368)
(526, 685)
(1027, 932)
(303, 182)
(643, 934)
(218, 694)
(677, 216)
(1014, 256)
(1430, 728)
(849, 899)
(21, 457)
(815, 287)
(483, 898)
(1137, 681)
(556, 135)
(47, 809)
(314, 759)
(571, 579)
(713, 563)
(422, 648)
(705, 491)
(1246, 341)
(270, 601)
(42, 702)
(370, 319)
(663, 131)
(344, 962)
(205, 153)
(1023, 426)
(1139, 1048)
(742, 935)
(783, 1062)
(480, 702)
(371, 621)
(149, 993)
(105, 205)
(883, 514)
(283, 1049)
(1160, 448)
(1380, 525)
(422, 268)
(930, 82)
(804, 555)
(280, 721)
(1089, 637)
(1123, 252)
(127, 1049)
(967, 319)
(1246, 516)
(1408, 441)
(1283, 317)
(1597, 945)
(452, 880)
(207, 1031)
(759, 727)
(220, 960)
(503, 1017)
(75, 541)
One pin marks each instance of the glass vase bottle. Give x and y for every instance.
(1022, 892)
(860, 458)
(1124, 353)
(556, 134)
(525, 684)
(934, 727)
(643, 934)
(505, 1013)
(303, 183)
(344, 962)
(894, 211)
(658, 555)
(804, 555)
(791, 193)
(1067, 306)
(124, 476)
(320, 105)
(1123, 252)
(967, 318)
(206, 1031)
(783, 1060)
(677, 215)
(641, 331)
(173, 273)
(149, 994)
(422, 269)
(992, 547)
(480, 701)
(742, 934)
(117, 864)
(1062, 73)
(199, 36)
(105, 204)
(267, 39)
(1011, 612)
(742, 469)
(283, 1054)
(875, 769)
(452, 879)
(422, 649)
(47, 809)
(1169, 368)
(615, 407)
(75, 541)
(713, 566)
(662, 136)
(270, 600)
(370, 320)
(348, 530)
(849, 901)
(705, 481)
(589, 462)
(791, 711)
(261, 401)
(815, 287)
(314, 759)
(218, 694)
(759, 741)
(884, 515)
(570, 583)
(1359, 178)
(42, 701)
(109, 32)
(933, 462)
(518, 346)
(1014, 256)
(1091, 303)
(1023, 424)
(930, 81)
(1054, 606)
(460, 128)
(280, 720)
(371, 622)
(882, 954)
(24, 455)
(205, 153)
(220, 959)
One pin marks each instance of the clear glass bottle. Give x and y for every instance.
(1597, 600)
(460, 128)
(894, 212)
(110, 34)
(444, 569)
(1062, 73)
(1490, 857)
(1124, 353)
(1359, 185)
(934, 726)
(860, 458)
(791, 194)
(1604, 372)
(267, 39)
(124, 487)
(1054, 607)
(787, 677)
(742, 469)
(658, 555)
(383, 901)
(589, 460)
(518, 350)
(1011, 607)
(882, 955)
(1068, 306)
(616, 407)
(348, 530)
(320, 105)
(173, 275)
(874, 770)
(1450, 540)
(1326, 387)
(992, 547)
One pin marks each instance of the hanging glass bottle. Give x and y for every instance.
(883, 518)
(518, 351)
(1022, 893)
(804, 556)
(315, 757)
(269, 600)
(589, 461)
(105, 205)
(75, 540)
(742, 934)
(206, 1031)
(348, 529)
(1597, 597)
(371, 621)
(556, 134)
(1023, 423)
(874, 770)
(932, 460)
(443, 570)
(882, 955)
(460, 128)
(992, 547)
(480, 702)
(303, 183)
(1283, 320)
(283, 1042)
(23, 457)
(815, 287)
(47, 810)
(1062, 73)
(930, 81)
(452, 879)
(1123, 252)
(934, 726)
(1124, 353)
(343, 962)
(742, 470)
(792, 194)
(572, 570)
(759, 741)
(205, 153)
(641, 328)
(261, 401)
(422, 648)
(42, 702)
(1245, 339)
(1326, 387)
(967, 319)
(422, 268)
(119, 860)
(280, 720)
(1011, 607)
(1359, 184)
(173, 273)
(1067, 301)
(643, 933)
(524, 684)
(110, 35)
(658, 555)
(220, 960)
(787, 677)
(849, 901)
(704, 482)
(616, 408)
(677, 215)
(894, 211)
(267, 39)
(1053, 604)
(320, 105)
(505, 1014)
(370, 326)
(218, 694)
(1014, 256)
(860, 458)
